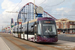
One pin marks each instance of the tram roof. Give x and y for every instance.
(30, 21)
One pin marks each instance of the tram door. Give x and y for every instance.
(35, 31)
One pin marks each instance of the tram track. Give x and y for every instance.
(68, 47)
(27, 43)
(39, 48)
(13, 38)
(14, 43)
(53, 47)
(31, 44)
(60, 47)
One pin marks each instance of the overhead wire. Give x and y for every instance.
(14, 8)
(42, 2)
(17, 5)
(63, 15)
(54, 5)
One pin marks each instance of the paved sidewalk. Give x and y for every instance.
(7, 45)
(70, 35)
(3, 45)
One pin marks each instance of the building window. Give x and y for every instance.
(73, 31)
(70, 22)
(73, 26)
(63, 25)
(57, 26)
(70, 26)
(74, 22)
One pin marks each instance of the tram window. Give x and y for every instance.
(49, 29)
(39, 29)
(31, 31)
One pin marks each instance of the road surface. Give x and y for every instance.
(13, 43)
(67, 37)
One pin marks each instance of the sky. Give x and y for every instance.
(57, 8)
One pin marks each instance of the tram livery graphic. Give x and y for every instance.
(41, 29)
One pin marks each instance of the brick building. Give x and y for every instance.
(65, 26)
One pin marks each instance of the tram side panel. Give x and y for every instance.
(31, 31)
(23, 31)
(16, 35)
(13, 31)
(28, 31)
(24, 34)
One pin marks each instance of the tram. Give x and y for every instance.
(38, 30)
(15, 32)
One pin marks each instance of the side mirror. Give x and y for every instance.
(21, 28)
(32, 26)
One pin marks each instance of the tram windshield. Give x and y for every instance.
(49, 29)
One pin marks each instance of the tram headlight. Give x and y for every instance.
(45, 37)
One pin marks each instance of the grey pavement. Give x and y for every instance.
(66, 37)
(3, 45)
(7, 45)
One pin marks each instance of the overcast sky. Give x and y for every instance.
(57, 8)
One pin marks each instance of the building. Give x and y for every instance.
(66, 26)
(6, 29)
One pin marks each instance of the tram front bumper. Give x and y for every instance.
(47, 40)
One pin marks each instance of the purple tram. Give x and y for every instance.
(40, 30)
(37, 30)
